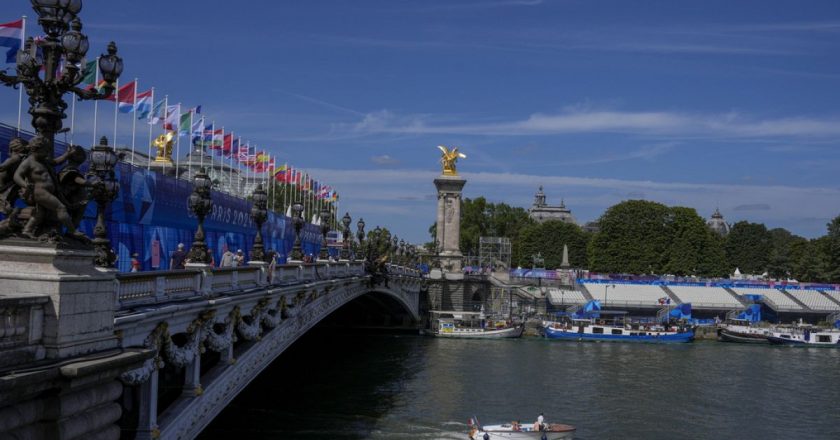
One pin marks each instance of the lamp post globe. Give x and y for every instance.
(104, 189)
(401, 252)
(348, 237)
(259, 213)
(297, 223)
(360, 236)
(200, 204)
(325, 229)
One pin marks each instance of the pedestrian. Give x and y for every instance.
(272, 264)
(135, 262)
(240, 258)
(227, 259)
(176, 261)
(212, 259)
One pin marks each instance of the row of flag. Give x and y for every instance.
(186, 122)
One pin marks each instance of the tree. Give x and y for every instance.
(780, 262)
(832, 251)
(748, 247)
(689, 237)
(634, 237)
(548, 239)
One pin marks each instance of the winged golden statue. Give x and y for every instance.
(448, 159)
(163, 144)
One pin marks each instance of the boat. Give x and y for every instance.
(805, 336)
(517, 431)
(595, 329)
(741, 331)
(472, 325)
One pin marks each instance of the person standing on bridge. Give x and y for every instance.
(240, 258)
(176, 261)
(227, 259)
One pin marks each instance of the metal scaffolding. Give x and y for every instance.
(494, 252)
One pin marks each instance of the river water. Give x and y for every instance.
(375, 386)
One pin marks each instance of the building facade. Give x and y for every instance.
(541, 212)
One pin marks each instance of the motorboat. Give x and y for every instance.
(595, 329)
(516, 431)
(472, 325)
(742, 331)
(449, 329)
(805, 336)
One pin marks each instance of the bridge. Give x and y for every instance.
(175, 347)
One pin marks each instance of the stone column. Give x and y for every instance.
(147, 427)
(449, 220)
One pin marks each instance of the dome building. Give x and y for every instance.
(542, 212)
(717, 224)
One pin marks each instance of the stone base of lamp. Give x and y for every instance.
(78, 317)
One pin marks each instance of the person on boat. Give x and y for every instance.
(539, 425)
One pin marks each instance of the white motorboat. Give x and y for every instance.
(805, 336)
(516, 431)
(449, 329)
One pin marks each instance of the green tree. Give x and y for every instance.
(689, 236)
(634, 237)
(831, 251)
(748, 247)
(781, 261)
(548, 239)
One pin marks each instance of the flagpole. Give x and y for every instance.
(95, 101)
(238, 166)
(149, 121)
(116, 108)
(201, 143)
(20, 90)
(72, 116)
(267, 173)
(189, 136)
(178, 142)
(230, 161)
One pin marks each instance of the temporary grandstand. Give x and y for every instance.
(709, 297)
(815, 299)
(778, 300)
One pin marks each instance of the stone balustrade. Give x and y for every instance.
(147, 288)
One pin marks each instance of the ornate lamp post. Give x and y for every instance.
(360, 235)
(259, 213)
(104, 188)
(394, 245)
(325, 229)
(63, 45)
(200, 204)
(348, 237)
(402, 252)
(297, 222)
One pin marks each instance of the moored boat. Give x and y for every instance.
(590, 329)
(742, 331)
(449, 329)
(805, 337)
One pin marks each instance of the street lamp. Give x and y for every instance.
(325, 229)
(607, 286)
(64, 44)
(402, 252)
(360, 234)
(200, 204)
(104, 188)
(259, 213)
(348, 237)
(394, 244)
(297, 222)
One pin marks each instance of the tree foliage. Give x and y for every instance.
(634, 238)
(548, 239)
(748, 247)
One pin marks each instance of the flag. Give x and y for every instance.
(144, 104)
(234, 148)
(184, 123)
(280, 173)
(125, 97)
(242, 156)
(89, 75)
(157, 112)
(197, 132)
(11, 36)
(196, 109)
(173, 113)
(227, 144)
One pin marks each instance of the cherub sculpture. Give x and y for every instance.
(39, 188)
(449, 158)
(8, 190)
(74, 186)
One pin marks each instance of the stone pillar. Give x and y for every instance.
(79, 317)
(449, 220)
(147, 427)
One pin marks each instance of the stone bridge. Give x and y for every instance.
(187, 342)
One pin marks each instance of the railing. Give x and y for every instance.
(137, 289)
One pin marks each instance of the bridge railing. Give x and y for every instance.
(142, 288)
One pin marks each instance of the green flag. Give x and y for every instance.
(184, 124)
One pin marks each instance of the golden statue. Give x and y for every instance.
(163, 143)
(449, 158)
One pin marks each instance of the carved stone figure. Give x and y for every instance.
(74, 186)
(448, 159)
(39, 188)
(9, 191)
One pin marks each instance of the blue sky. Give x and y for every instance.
(700, 104)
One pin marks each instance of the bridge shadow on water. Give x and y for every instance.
(334, 382)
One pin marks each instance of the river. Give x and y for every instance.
(375, 386)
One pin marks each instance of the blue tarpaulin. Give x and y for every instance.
(751, 313)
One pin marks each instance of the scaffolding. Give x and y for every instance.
(494, 253)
